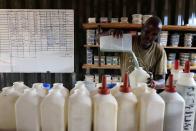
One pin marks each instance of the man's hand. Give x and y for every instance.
(150, 82)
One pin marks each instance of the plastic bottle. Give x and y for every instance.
(186, 87)
(60, 86)
(127, 108)
(138, 75)
(8, 98)
(20, 86)
(79, 84)
(174, 108)
(105, 109)
(152, 109)
(53, 111)
(116, 89)
(27, 110)
(175, 72)
(79, 111)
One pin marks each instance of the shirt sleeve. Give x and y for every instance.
(161, 64)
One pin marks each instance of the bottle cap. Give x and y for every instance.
(125, 88)
(170, 87)
(104, 90)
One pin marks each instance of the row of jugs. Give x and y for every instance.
(33, 109)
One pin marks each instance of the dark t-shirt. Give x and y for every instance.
(153, 59)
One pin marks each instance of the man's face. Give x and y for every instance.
(148, 35)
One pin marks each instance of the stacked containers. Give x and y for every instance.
(163, 38)
(175, 38)
(188, 40)
(193, 59)
(90, 37)
(184, 57)
(145, 18)
(171, 59)
(137, 18)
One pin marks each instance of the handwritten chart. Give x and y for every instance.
(36, 40)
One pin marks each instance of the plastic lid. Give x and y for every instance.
(176, 65)
(104, 90)
(47, 86)
(126, 87)
(187, 67)
(170, 87)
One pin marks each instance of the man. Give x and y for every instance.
(151, 56)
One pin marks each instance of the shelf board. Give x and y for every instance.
(91, 46)
(121, 25)
(136, 26)
(90, 25)
(182, 67)
(91, 66)
(180, 48)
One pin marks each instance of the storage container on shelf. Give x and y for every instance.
(80, 111)
(27, 110)
(79, 84)
(53, 115)
(127, 108)
(186, 87)
(176, 72)
(8, 98)
(105, 109)
(174, 108)
(152, 109)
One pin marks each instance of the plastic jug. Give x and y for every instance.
(141, 89)
(60, 86)
(116, 89)
(175, 72)
(40, 89)
(152, 109)
(127, 108)
(186, 86)
(20, 86)
(138, 75)
(174, 108)
(105, 109)
(27, 110)
(79, 111)
(53, 111)
(79, 84)
(8, 97)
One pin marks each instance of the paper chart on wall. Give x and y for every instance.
(36, 40)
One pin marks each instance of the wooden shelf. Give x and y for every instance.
(90, 25)
(136, 26)
(182, 67)
(180, 48)
(91, 66)
(91, 46)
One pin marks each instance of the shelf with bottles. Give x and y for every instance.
(136, 26)
(93, 66)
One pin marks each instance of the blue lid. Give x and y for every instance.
(111, 85)
(47, 86)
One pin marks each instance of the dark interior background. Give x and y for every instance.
(92, 8)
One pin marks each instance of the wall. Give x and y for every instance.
(92, 8)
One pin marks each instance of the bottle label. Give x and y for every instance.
(189, 95)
